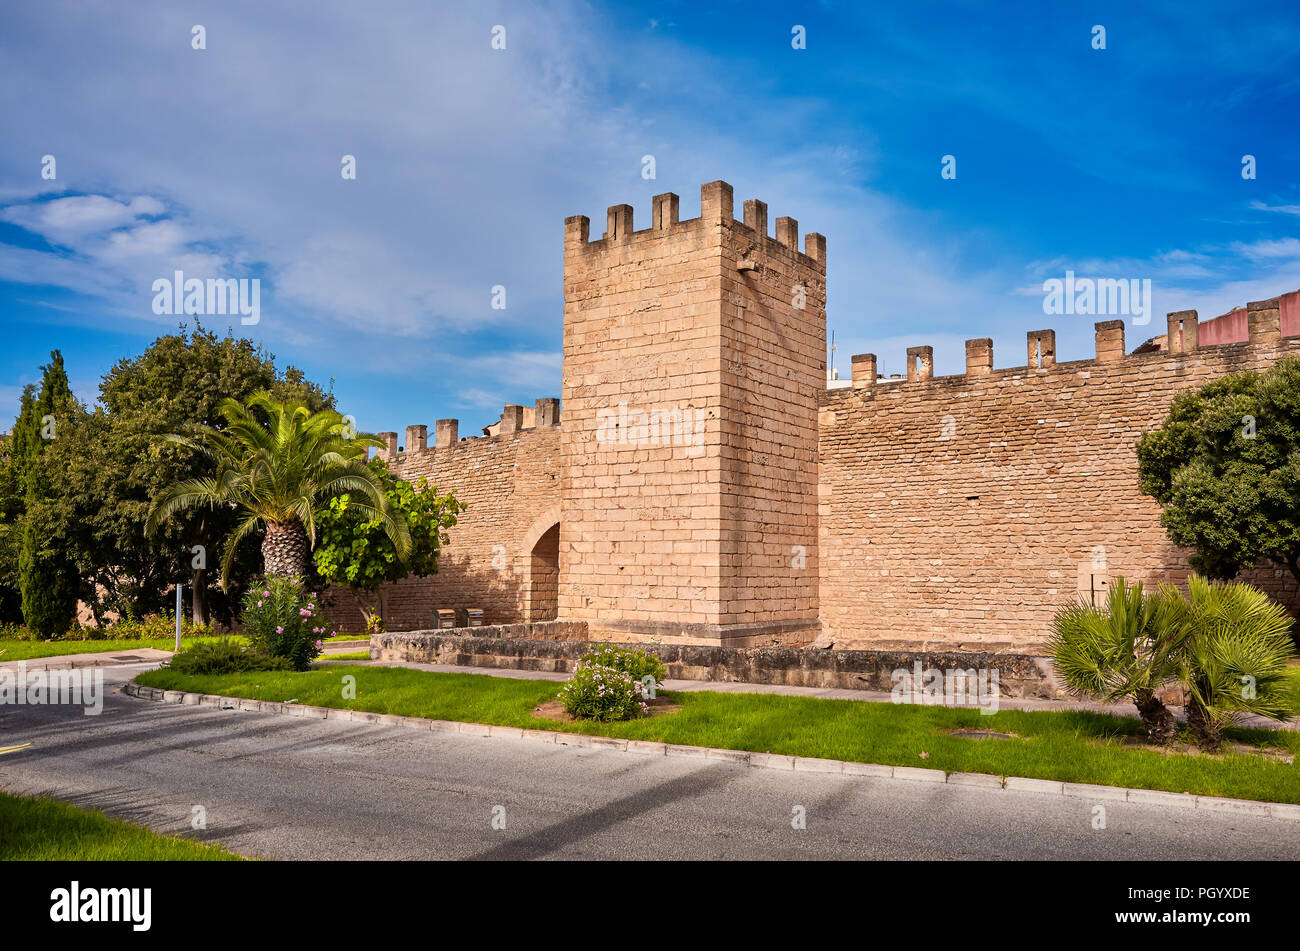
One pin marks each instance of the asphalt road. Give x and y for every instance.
(284, 787)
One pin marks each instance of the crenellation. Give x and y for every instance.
(979, 357)
(815, 247)
(787, 232)
(389, 452)
(577, 231)
(863, 372)
(716, 202)
(1042, 349)
(920, 364)
(1264, 320)
(716, 207)
(416, 438)
(1182, 335)
(1110, 340)
(546, 412)
(665, 211)
(445, 432)
(618, 222)
(512, 419)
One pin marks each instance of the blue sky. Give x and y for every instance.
(225, 162)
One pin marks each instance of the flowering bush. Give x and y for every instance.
(603, 693)
(637, 664)
(281, 619)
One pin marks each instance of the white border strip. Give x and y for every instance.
(1145, 797)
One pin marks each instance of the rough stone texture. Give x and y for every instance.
(511, 487)
(670, 529)
(954, 513)
(559, 645)
(960, 513)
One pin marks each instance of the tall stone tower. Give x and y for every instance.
(693, 356)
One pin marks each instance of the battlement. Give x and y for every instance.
(716, 207)
(1182, 341)
(515, 419)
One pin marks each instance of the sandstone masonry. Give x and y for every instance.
(703, 486)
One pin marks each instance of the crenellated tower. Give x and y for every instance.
(694, 353)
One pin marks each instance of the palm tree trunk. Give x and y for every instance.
(198, 597)
(1160, 723)
(1204, 729)
(284, 550)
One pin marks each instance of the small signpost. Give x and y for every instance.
(179, 587)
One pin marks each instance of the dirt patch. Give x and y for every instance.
(554, 710)
(969, 734)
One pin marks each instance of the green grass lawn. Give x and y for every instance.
(28, 650)
(46, 830)
(1069, 746)
(347, 655)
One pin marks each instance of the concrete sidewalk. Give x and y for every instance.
(140, 655)
(117, 658)
(825, 693)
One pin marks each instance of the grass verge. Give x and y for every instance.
(1069, 746)
(43, 829)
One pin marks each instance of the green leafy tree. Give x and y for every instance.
(11, 510)
(122, 462)
(1225, 467)
(279, 474)
(355, 550)
(49, 578)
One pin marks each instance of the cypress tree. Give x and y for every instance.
(48, 578)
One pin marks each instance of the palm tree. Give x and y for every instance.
(1126, 649)
(279, 474)
(1238, 643)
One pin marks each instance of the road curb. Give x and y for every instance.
(1286, 812)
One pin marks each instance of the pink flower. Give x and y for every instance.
(266, 594)
(279, 630)
(319, 644)
(303, 612)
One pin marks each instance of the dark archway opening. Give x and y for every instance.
(544, 577)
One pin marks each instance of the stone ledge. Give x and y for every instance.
(509, 647)
(1286, 812)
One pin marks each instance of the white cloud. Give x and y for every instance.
(67, 221)
(1280, 209)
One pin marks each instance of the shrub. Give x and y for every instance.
(1238, 643)
(281, 619)
(637, 664)
(1124, 649)
(15, 632)
(151, 627)
(224, 656)
(603, 693)
(1226, 645)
